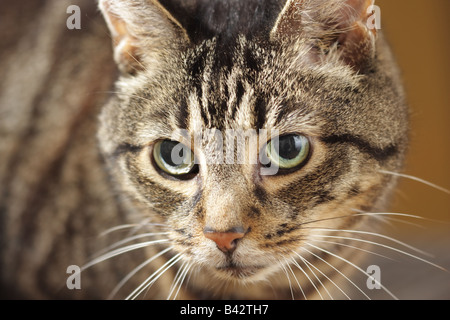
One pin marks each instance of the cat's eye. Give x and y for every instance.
(288, 151)
(174, 158)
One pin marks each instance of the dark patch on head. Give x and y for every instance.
(125, 148)
(198, 211)
(260, 193)
(261, 110)
(355, 190)
(254, 212)
(184, 233)
(203, 19)
(288, 107)
(283, 229)
(184, 242)
(322, 196)
(182, 116)
(240, 91)
(251, 61)
(379, 154)
(281, 242)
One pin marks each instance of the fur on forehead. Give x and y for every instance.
(277, 79)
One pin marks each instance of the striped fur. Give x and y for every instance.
(58, 193)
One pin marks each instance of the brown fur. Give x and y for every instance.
(55, 182)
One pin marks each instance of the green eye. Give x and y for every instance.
(174, 157)
(288, 151)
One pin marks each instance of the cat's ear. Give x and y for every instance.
(143, 31)
(345, 24)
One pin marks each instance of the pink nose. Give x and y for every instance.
(226, 241)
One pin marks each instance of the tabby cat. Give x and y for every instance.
(239, 138)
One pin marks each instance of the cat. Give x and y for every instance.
(309, 90)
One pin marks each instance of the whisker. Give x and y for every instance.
(176, 279)
(135, 270)
(390, 219)
(188, 267)
(376, 235)
(188, 278)
(363, 214)
(295, 277)
(144, 223)
(132, 238)
(120, 251)
(356, 267)
(407, 176)
(306, 262)
(147, 283)
(356, 248)
(307, 276)
(338, 271)
(289, 280)
(384, 246)
(360, 212)
(323, 274)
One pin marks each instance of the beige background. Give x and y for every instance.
(418, 31)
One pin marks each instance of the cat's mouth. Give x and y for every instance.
(235, 271)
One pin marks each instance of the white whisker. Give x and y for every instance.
(289, 280)
(132, 238)
(135, 270)
(315, 275)
(356, 248)
(132, 225)
(307, 276)
(374, 214)
(120, 251)
(176, 279)
(361, 213)
(384, 246)
(356, 267)
(323, 274)
(391, 220)
(188, 267)
(154, 276)
(338, 271)
(376, 235)
(407, 176)
(296, 280)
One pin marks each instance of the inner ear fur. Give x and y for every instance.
(141, 30)
(340, 23)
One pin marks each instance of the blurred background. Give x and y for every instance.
(419, 35)
(418, 32)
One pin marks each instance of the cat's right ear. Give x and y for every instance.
(143, 32)
(342, 25)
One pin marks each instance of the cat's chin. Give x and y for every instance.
(232, 272)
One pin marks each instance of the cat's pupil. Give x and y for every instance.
(289, 146)
(166, 153)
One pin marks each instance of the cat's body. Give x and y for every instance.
(197, 66)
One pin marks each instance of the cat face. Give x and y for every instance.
(245, 146)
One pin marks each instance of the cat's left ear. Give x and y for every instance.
(143, 32)
(346, 24)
